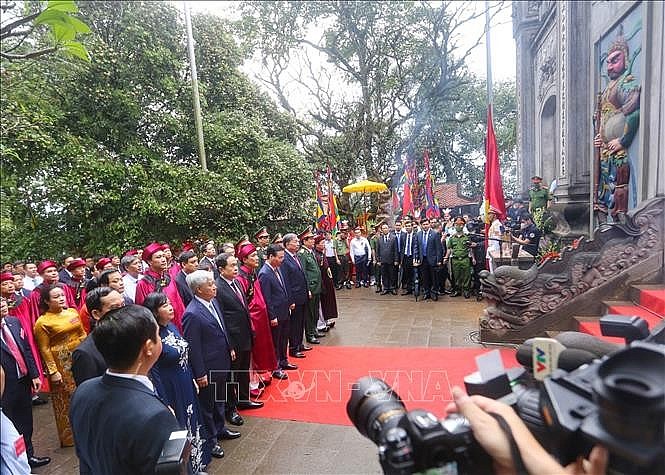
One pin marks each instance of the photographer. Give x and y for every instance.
(503, 435)
(529, 236)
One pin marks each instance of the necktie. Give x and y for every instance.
(425, 237)
(279, 277)
(235, 288)
(16, 353)
(211, 307)
(295, 258)
(399, 248)
(408, 244)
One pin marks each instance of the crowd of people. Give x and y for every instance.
(235, 319)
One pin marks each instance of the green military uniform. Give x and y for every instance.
(376, 268)
(459, 245)
(342, 249)
(261, 253)
(313, 276)
(538, 198)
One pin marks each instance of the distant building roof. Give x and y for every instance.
(449, 196)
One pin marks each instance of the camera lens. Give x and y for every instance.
(373, 407)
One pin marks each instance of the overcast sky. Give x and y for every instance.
(502, 43)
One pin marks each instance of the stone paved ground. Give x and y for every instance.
(278, 447)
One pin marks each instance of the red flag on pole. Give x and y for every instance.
(493, 185)
(333, 217)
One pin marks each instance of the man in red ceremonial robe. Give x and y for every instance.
(19, 307)
(77, 283)
(157, 279)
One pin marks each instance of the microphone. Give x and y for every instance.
(586, 342)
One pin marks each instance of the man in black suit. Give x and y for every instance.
(21, 377)
(280, 305)
(430, 257)
(386, 254)
(65, 277)
(87, 361)
(296, 285)
(400, 237)
(189, 262)
(408, 254)
(231, 300)
(119, 423)
(208, 260)
(210, 355)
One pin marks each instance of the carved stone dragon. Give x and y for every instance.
(518, 297)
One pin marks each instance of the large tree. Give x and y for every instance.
(100, 157)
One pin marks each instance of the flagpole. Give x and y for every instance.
(490, 97)
(195, 90)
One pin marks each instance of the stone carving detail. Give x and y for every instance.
(546, 64)
(563, 45)
(533, 7)
(518, 297)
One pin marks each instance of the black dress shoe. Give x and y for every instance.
(35, 462)
(234, 418)
(385, 292)
(290, 366)
(455, 294)
(467, 295)
(323, 330)
(279, 375)
(435, 297)
(305, 348)
(39, 401)
(319, 335)
(407, 292)
(250, 405)
(357, 285)
(296, 355)
(426, 297)
(217, 451)
(313, 341)
(394, 292)
(365, 284)
(331, 324)
(228, 434)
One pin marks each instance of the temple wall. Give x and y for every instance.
(558, 78)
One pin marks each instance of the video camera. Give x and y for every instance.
(617, 401)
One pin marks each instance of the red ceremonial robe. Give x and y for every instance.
(263, 351)
(152, 282)
(19, 307)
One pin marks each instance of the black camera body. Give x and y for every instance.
(413, 441)
(617, 401)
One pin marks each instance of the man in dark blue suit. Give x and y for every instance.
(87, 361)
(430, 257)
(119, 423)
(296, 285)
(21, 377)
(279, 303)
(189, 262)
(210, 355)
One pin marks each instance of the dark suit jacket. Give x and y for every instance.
(208, 343)
(119, 426)
(402, 241)
(7, 359)
(209, 263)
(386, 252)
(185, 292)
(64, 277)
(434, 247)
(276, 296)
(415, 247)
(87, 361)
(236, 316)
(295, 279)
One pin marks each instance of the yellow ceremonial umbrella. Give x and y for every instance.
(365, 186)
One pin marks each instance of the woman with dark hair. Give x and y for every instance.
(173, 378)
(58, 332)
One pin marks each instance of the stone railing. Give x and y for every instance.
(527, 303)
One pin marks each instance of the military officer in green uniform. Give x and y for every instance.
(341, 244)
(262, 240)
(313, 276)
(539, 196)
(459, 247)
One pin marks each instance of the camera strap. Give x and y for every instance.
(520, 469)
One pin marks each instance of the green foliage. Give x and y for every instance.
(102, 158)
(23, 39)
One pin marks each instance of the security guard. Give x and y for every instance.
(529, 236)
(539, 196)
(262, 240)
(459, 246)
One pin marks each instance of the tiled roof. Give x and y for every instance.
(448, 196)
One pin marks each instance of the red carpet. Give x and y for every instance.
(654, 300)
(319, 389)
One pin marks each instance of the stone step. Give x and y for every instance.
(650, 297)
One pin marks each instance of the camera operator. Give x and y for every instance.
(503, 435)
(529, 236)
